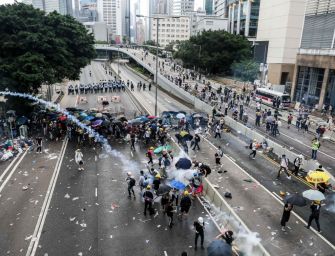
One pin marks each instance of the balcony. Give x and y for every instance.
(325, 52)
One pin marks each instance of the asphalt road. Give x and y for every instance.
(263, 170)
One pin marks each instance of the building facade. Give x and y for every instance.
(208, 4)
(280, 32)
(62, 6)
(219, 8)
(243, 17)
(211, 22)
(113, 13)
(171, 29)
(181, 7)
(314, 75)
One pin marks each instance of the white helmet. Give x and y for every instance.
(301, 156)
(201, 220)
(129, 173)
(200, 164)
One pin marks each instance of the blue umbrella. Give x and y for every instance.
(219, 248)
(184, 163)
(177, 185)
(89, 118)
(97, 123)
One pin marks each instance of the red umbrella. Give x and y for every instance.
(62, 118)
(151, 117)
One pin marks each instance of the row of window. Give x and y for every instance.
(171, 25)
(173, 30)
(168, 35)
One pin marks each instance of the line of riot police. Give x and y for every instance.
(100, 87)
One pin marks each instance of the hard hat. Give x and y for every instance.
(148, 187)
(185, 193)
(255, 140)
(282, 193)
(201, 220)
(152, 148)
(158, 176)
(301, 156)
(128, 173)
(200, 164)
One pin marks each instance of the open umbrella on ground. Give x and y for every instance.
(62, 118)
(184, 163)
(317, 177)
(180, 115)
(98, 115)
(219, 248)
(295, 199)
(89, 118)
(312, 194)
(161, 148)
(136, 121)
(177, 184)
(83, 114)
(163, 189)
(151, 117)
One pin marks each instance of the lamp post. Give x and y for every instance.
(156, 71)
(199, 45)
(11, 119)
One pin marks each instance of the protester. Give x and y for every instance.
(227, 236)
(39, 144)
(142, 181)
(185, 204)
(283, 166)
(315, 214)
(297, 163)
(169, 212)
(79, 159)
(196, 142)
(253, 147)
(130, 183)
(148, 199)
(199, 226)
(286, 215)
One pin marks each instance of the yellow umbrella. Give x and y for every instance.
(183, 133)
(317, 177)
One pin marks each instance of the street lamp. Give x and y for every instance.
(156, 71)
(199, 45)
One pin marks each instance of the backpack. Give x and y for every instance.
(250, 146)
(132, 182)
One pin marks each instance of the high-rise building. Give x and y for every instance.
(209, 6)
(243, 17)
(181, 7)
(160, 6)
(62, 6)
(171, 29)
(278, 38)
(113, 13)
(88, 12)
(314, 74)
(219, 8)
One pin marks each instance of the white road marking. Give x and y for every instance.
(280, 201)
(76, 103)
(9, 166)
(131, 152)
(96, 192)
(44, 210)
(12, 172)
(165, 253)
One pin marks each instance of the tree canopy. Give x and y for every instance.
(36, 48)
(214, 51)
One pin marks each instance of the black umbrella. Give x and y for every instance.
(163, 189)
(184, 163)
(295, 199)
(219, 248)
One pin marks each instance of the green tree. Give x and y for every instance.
(247, 70)
(37, 49)
(214, 51)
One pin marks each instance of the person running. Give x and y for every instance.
(315, 214)
(132, 141)
(156, 182)
(148, 199)
(131, 183)
(169, 212)
(315, 147)
(297, 163)
(39, 144)
(79, 159)
(199, 226)
(283, 166)
(217, 159)
(185, 204)
(253, 147)
(149, 155)
(217, 131)
(286, 215)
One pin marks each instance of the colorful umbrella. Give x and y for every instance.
(62, 118)
(317, 177)
(161, 148)
(313, 195)
(151, 117)
(177, 185)
(163, 189)
(89, 118)
(98, 115)
(83, 114)
(22, 120)
(97, 123)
